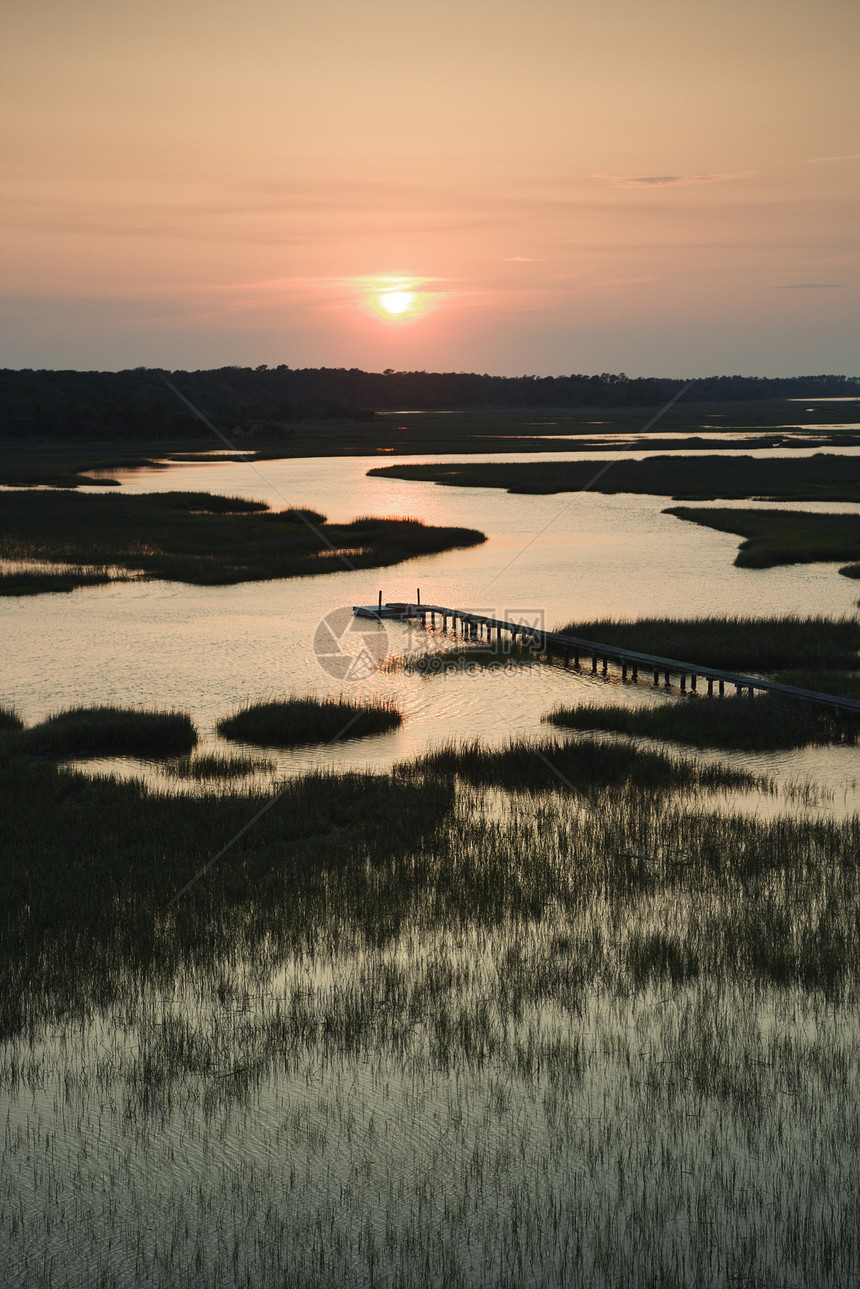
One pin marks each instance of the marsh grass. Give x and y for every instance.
(9, 721)
(404, 1040)
(214, 766)
(757, 724)
(292, 721)
(845, 684)
(545, 1154)
(93, 862)
(583, 764)
(735, 643)
(109, 731)
(203, 538)
(783, 536)
(821, 477)
(356, 859)
(37, 582)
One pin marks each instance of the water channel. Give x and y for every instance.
(548, 560)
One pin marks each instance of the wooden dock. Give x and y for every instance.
(573, 650)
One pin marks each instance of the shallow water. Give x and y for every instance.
(376, 1170)
(418, 1112)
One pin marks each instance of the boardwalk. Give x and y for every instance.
(475, 626)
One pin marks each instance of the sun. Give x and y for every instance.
(397, 302)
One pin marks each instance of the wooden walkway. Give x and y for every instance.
(475, 626)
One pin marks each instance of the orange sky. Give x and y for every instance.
(655, 186)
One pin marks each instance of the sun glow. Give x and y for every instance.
(396, 300)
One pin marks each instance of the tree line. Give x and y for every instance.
(136, 404)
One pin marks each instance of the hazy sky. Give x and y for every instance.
(543, 186)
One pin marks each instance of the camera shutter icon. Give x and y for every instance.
(349, 648)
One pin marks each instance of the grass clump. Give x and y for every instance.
(109, 731)
(214, 766)
(757, 724)
(581, 764)
(735, 643)
(9, 719)
(293, 721)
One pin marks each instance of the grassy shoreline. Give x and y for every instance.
(735, 643)
(702, 477)
(200, 538)
(732, 723)
(774, 537)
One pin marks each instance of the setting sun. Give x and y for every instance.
(397, 302)
(396, 299)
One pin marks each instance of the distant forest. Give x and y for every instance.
(265, 400)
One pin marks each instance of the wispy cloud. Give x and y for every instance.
(848, 156)
(264, 223)
(523, 259)
(670, 181)
(810, 286)
(626, 281)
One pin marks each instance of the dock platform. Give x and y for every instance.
(476, 626)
